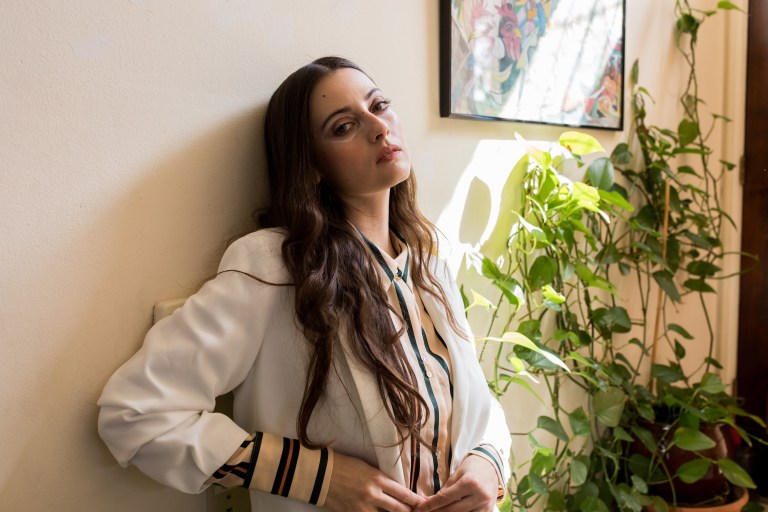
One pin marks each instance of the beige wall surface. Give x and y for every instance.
(130, 152)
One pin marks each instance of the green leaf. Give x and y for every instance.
(664, 279)
(698, 285)
(542, 272)
(692, 440)
(537, 484)
(543, 462)
(479, 300)
(690, 420)
(590, 279)
(615, 199)
(735, 473)
(711, 384)
(553, 427)
(753, 506)
(506, 505)
(490, 270)
(512, 291)
(609, 254)
(563, 335)
(646, 411)
(592, 504)
(646, 217)
(585, 194)
(621, 154)
(679, 350)
(464, 298)
(646, 437)
(531, 329)
(578, 472)
(550, 294)
(608, 406)
(626, 499)
(639, 484)
(635, 73)
(688, 131)
(556, 501)
(621, 435)
(702, 268)
(579, 422)
(728, 6)
(615, 319)
(640, 465)
(522, 383)
(687, 169)
(667, 374)
(680, 330)
(542, 158)
(517, 363)
(694, 470)
(601, 173)
(517, 338)
(713, 362)
(688, 24)
(580, 143)
(697, 240)
(584, 273)
(659, 505)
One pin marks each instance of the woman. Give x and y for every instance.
(355, 380)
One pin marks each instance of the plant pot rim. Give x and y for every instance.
(734, 506)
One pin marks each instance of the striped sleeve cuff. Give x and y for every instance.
(278, 465)
(492, 455)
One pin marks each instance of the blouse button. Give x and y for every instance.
(429, 374)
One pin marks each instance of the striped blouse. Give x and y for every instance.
(281, 466)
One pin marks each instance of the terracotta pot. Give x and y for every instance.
(733, 506)
(712, 484)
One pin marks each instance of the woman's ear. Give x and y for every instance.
(318, 177)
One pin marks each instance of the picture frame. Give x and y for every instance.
(557, 62)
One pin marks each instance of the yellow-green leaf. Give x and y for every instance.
(580, 143)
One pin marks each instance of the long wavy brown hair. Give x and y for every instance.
(334, 274)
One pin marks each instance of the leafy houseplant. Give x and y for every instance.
(656, 224)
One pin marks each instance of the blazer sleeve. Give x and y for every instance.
(157, 409)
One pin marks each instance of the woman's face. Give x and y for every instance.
(357, 143)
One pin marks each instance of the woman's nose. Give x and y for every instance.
(379, 128)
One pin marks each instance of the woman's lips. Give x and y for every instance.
(388, 154)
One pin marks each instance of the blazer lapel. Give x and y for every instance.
(381, 429)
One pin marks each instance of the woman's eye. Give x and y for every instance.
(381, 105)
(342, 129)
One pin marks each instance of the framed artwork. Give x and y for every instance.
(539, 61)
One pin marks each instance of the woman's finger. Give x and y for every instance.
(390, 504)
(444, 497)
(401, 493)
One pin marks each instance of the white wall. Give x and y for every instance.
(130, 146)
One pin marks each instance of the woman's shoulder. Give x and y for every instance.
(258, 253)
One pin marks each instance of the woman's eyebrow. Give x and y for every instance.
(343, 110)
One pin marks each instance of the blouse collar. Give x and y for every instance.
(391, 268)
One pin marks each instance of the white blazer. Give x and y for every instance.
(239, 335)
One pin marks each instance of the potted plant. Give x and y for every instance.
(564, 251)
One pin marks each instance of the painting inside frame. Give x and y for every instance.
(541, 61)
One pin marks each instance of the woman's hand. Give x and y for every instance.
(472, 488)
(357, 487)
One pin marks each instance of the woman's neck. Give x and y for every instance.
(376, 231)
(373, 222)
